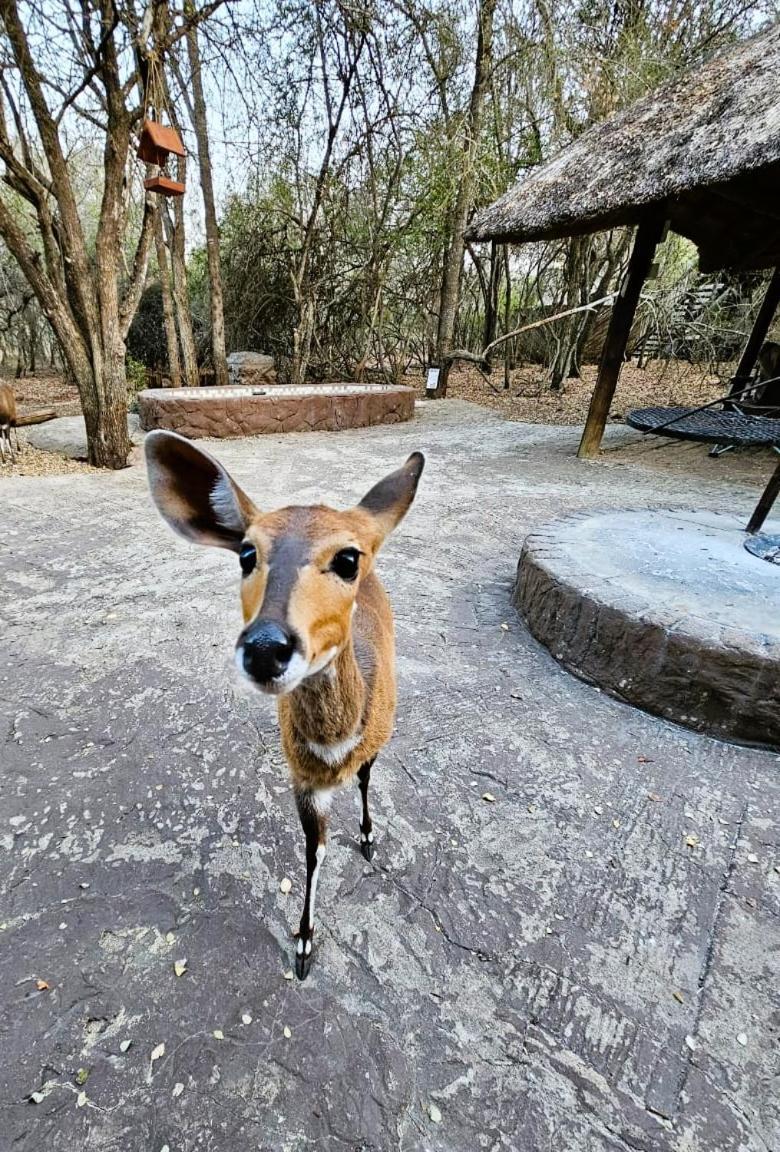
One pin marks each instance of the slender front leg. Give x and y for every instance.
(313, 811)
(366, 827)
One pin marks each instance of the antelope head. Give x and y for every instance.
(301, 566)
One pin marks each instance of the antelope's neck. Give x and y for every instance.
(328, 708)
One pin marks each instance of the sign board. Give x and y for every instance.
(432, 383)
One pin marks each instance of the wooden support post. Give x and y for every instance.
(757, 336)
(764, 506)
(648, 235)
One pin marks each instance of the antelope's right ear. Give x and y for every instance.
(194, 493)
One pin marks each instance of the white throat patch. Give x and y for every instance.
(335, 754)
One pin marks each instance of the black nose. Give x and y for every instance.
(268, 649)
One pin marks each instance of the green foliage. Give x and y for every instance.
(136, 377)
(259, 306)
(146, 338)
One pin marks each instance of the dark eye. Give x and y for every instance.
(247, 558)
(346, 563)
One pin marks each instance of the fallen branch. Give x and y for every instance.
(35, 418)
(483, 358)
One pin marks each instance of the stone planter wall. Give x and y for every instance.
(231, 412)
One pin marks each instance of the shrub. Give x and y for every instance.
(136, 380)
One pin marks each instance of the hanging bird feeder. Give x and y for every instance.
(164, 185)
(158, 141)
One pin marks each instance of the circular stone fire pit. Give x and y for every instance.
(224, 412)
(665, 610)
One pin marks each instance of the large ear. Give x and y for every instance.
(390, 499)
(194, 493)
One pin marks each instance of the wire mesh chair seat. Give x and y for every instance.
(730, 425)
(712, 427)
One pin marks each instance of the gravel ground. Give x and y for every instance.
(33, 462)
(46, 391)
(34, 393)
(529, 397)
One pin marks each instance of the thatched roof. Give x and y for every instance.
(706, 146)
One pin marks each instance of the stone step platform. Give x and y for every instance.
(665, 609)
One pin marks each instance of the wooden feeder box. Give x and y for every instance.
(164, 185)
(157, 141)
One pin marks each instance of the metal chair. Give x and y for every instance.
(750, 424)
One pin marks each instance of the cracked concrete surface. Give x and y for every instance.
(588, 962)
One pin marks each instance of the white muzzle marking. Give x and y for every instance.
(294, 674)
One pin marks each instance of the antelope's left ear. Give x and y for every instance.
(390, 499)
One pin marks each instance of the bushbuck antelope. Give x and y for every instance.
(318, 627)
(7, 421)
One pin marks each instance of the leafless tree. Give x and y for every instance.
(369, 132)
(169, 314)
(196, 105)
(464, 196)
(68, 66)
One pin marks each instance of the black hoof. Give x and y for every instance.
(367, 848)
(303, 962)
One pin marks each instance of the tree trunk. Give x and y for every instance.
(453, 257)
(32, 329)
(302, 334)
(370, 324)
(212, 231)
(169, 319)
(175, 235)
(78, 288)
(104, 404)
(491, 297)
(564, 363)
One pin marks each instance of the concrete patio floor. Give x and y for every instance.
(590, 960)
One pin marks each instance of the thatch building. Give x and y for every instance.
(701, 155)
